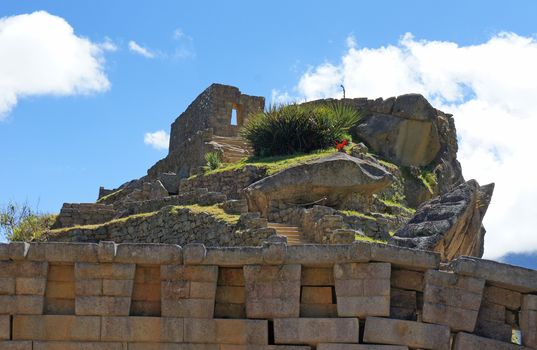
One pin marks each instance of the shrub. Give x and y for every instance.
(297, 128)
(213, 160)
(19, 222)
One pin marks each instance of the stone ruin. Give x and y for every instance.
(381, 258)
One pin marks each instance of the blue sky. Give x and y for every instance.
(60, 143)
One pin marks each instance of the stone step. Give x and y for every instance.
(293, 233)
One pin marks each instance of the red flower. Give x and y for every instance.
(341, 146)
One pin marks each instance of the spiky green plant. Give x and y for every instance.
(294, 128)
(213, 160)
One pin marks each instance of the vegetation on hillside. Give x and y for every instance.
(213, 160)
(291, 129)
(19, 222)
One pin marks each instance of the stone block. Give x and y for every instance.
(104, 271)
(233, 256)
(102, 306)
(30, 285)
(55, 327)
(231, 295)
(63, 252)
(323, 255)
(529, 302)
(316, 295)
(453, 280)
(508, 298)
(5, 327)
(16, 345)
(465, 341)
(494, 330)
(61, 273)
(315, 330)
(272, 291)
(241, 331)
(194, 253)
(21, 304)
(202, 290)
(118, 287)
(363, 306)
(336, 346)
(11, 269)
(407, 279)
(406, 258)
(274, 253)
(142, 329)
(528, 327)
(106, 251)
(317, 276)
(84, 287)
(407, 333)
(229, 276)
(501, 275)
(57, 345)
(149, 253)
(58, 306)
(452, 296)
(174, 346)
(459, 319)
(7, 285)
(353, 271)
(318, 310)
(189, 273)
(195, 308)
(14, 251)
(491, 311)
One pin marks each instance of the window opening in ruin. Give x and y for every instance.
(234, 117)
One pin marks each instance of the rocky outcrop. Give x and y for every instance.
(449, 224)
(331, 179)
(404, 130)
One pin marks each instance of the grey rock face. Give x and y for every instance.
(331, 179)
(449, 224)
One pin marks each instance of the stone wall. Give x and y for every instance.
(230, 183)
(73, 214)
(276, 297)
(174, 225)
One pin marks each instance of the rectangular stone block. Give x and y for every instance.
(16, 345)
(23, 269)
(56, 327)
(465, 341)
(408, 333)
(334, 346)
(104, 271)
(492, 312)
(318, 310)
(117, 287)
(353, 271)
(58, 306)
(148, 253)
(233, 295)
(406, 258)
(241, 331)
(102, 306)
(363, 287)
(502, 296)
(7, 285)
(31, 285)
(57, 345)
(195, 308)
(453, 297)
(363, 306)
(529, 302)
(189, 273)
(64, 290)
(453, 280)
(315, 330)
(494, 330)
(528, 321)
(63, 252)
(272, 291)
(316, 295)
(178, 346)
(21, 304)
(501, 275)
(142, 329)
(457, 318)
(61, 273)
(323, 255)
(317, 276)
(202, 290)
(228, 276)
(407, 279)
(5, 327)
(86, 287)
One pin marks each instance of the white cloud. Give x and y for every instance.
(158, 139)
(41, 55)
(140, 50)
(490, 88)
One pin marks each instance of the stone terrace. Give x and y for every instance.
(276, 297)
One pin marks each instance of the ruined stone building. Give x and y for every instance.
(377, 249)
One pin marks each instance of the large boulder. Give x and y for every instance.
(332, 179)
(404, 130)
(449, 224)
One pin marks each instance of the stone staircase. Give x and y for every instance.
(293, 233)
(234, 148)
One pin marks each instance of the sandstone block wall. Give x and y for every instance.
(72, 214)
(357, 296)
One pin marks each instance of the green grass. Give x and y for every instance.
(388, 165)
(212, 210)
(429, 179)
(392, 203)
(369, 239)
(273, 164)
(357, 213)
(109, 196)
